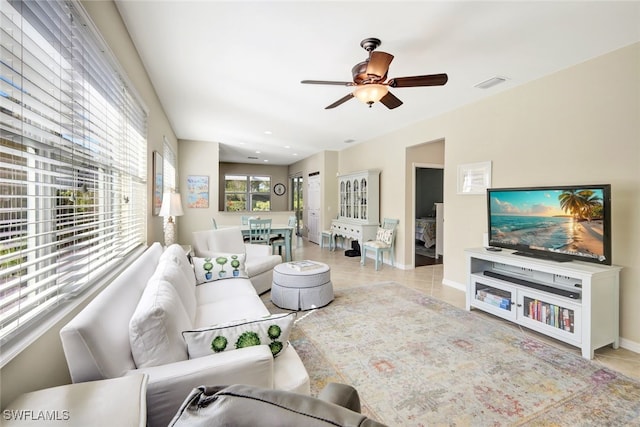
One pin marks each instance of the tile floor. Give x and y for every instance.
(347, 272)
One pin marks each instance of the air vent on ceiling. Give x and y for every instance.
(252, 158)
(491, 82)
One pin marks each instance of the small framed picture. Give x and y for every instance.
(197, 191)
(474, 178)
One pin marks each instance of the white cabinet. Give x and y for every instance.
(575, 302)
(359, 205)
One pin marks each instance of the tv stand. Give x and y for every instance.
(541, 256)
(576, 302)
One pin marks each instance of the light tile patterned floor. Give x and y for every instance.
(347, 272)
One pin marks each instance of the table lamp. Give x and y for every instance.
(171, 206)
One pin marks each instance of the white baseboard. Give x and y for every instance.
(455, 285)
(630, 345)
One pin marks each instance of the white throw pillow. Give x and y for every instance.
(176, 253)
(154, 328)
(170, 270)
(270, 330)
(384, 235)
(220, 266)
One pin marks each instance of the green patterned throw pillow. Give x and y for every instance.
(270, 330)
(219, 266)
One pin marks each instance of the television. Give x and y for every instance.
(562, 223)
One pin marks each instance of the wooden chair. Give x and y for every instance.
(260, 231)
(279, 241)
(385, 242)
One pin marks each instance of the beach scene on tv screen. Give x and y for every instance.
(565, 221)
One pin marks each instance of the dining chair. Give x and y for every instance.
(279, 241)
(385, 242)
(259, 231)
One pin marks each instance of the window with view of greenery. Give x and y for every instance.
(73, 153)
(247, 193)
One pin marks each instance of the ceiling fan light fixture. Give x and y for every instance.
(370, 93)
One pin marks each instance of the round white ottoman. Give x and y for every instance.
(301, 290)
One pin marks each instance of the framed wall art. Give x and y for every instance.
(474, 178)
(158, 182)
(197, 191)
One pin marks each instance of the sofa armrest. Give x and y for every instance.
(341, 394)
(257, 251)
(169, 384)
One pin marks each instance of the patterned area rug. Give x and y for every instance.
(423, 362)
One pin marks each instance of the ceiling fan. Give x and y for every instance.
(369, 79)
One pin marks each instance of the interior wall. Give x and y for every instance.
(566, 128)
(429, 184)
(42, 363)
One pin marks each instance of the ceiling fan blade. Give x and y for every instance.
(339, 101)
(326, 82)
(391, 101)
(428, 80)
(379, 63)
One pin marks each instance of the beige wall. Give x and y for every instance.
(42, 364)
(578, 126)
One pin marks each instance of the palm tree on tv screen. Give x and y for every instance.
(581, 204)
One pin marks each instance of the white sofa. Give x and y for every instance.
(99, 343)
(260, 260)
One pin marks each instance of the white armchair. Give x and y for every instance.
(259, 263)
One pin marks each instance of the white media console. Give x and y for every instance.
(575, 302)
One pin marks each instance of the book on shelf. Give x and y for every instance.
(304, 265)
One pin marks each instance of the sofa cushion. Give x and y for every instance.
(176, 253)
(219, 266)
(221, 289)
(229, 309)
(171, 271)
(272, 330)
(156, 324)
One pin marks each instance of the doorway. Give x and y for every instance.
(428, 214)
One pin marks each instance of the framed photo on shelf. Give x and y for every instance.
(474, 178)
(197, 191)
(158, 182)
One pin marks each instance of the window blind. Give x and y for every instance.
(72, 160)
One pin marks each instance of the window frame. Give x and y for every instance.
(248, 195)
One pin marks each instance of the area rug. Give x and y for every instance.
(417, 361)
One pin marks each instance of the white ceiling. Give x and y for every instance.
(229, 71)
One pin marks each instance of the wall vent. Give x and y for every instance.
(491, 82)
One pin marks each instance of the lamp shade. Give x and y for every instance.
(370, 93)
(171, 205)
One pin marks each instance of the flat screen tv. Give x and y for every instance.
(562, 223)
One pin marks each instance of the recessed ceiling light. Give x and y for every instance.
(265, 160)
(287, 146)
(267, 132)
(295, 154)
(257, 152)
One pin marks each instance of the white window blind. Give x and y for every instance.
(72, 160)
